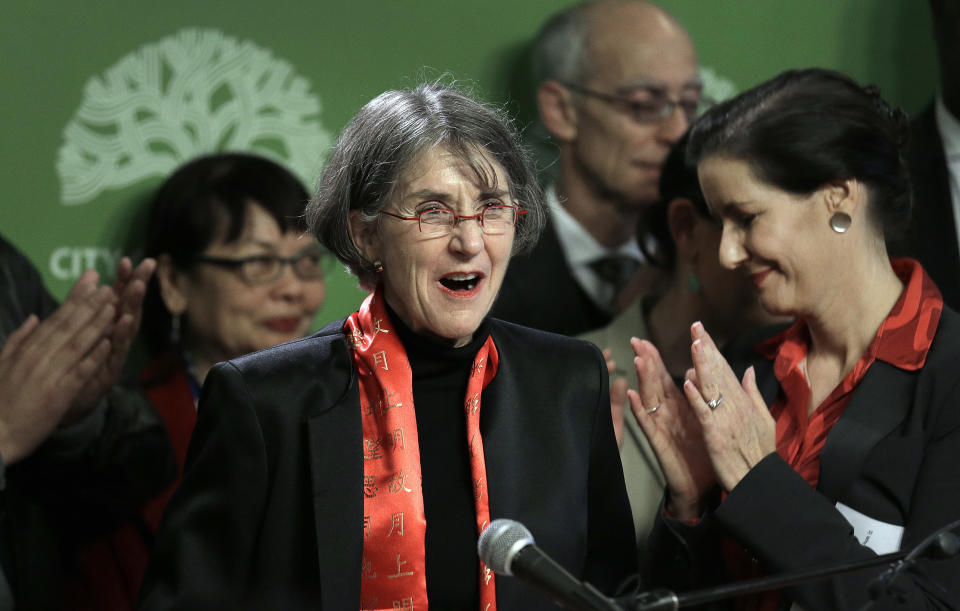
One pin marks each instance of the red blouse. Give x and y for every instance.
(903, 340)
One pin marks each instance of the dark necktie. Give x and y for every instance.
(615, 270)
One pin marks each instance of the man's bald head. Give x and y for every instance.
(575, 43)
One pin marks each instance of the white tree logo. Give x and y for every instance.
(196, 92)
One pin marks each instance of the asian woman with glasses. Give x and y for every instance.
(237, 273)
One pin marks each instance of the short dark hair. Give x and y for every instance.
(205, 198)
(805, 128)
(678, 179)
(387, 135)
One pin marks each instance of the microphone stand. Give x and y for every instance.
(941, 544)
(664, 600)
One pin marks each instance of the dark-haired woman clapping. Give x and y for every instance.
(836, 439)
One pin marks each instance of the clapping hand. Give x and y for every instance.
(65, 363)
(714, 431)
(737, 426)
(674, 432)
(129, 288)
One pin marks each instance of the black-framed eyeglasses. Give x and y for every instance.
(658, 109)
(494, 220)
(261, 269)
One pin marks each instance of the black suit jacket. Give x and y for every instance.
(892, 455)
(270, 508)
(933, 232)
(540, 291)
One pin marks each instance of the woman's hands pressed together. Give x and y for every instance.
(738, 429)
(715, 431)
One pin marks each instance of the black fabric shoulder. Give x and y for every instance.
(320, 366)
(938, 384)
(537, 343)
(319, 341)
(946, 343)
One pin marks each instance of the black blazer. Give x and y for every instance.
(933, 231)
(540, 291)
(892, 455)
(271, 504)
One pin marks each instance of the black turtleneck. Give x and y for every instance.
(440, 375)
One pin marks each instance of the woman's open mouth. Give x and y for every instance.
(461, 284)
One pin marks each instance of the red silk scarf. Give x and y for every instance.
(393, 575)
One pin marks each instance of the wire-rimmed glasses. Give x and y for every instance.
(494, 220)
(658, 109)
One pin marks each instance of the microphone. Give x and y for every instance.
(507, 548)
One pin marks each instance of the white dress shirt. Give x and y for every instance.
(581, 249)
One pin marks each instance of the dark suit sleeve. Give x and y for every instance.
(937, 495)
(611, 553)
(204, 550)
(790, 526)
(102, 469)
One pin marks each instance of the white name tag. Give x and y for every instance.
(881, 537)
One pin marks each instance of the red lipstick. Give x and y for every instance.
(759, 277)
(462, 285)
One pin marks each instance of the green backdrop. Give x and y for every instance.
(347, 52)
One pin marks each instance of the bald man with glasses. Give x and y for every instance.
(618, 85)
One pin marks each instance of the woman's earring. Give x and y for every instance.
(175, 330)
(840, 222)
(378, 266)
(693, 283)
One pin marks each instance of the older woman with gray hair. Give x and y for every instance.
(354, 469)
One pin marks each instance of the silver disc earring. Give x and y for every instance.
(840, 222)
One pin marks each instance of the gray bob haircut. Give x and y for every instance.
(387, 135)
